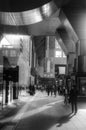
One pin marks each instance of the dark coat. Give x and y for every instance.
(73, 95)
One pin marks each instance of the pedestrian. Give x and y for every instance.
(51, 89)
(48, 89)
(66, 96)
(73, 99)
(55, 90)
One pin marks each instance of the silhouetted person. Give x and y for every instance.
(73, 98)
(33, 89)
(65, 96)
(51, 89)
(48, 89)
(55, 89)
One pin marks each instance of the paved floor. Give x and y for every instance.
(52, 115)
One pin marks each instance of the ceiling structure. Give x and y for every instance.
(24, 13)
(18, 5)
(18, 16)
(32, 21)
(40, 46)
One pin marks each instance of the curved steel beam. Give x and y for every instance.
(68, 27)
(28, 17)
(61, 43)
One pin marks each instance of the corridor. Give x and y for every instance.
(42, 48)
(42, 112)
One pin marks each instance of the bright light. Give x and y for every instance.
(64, 54)
(12, 36)
(57, 44)
(61, 70)
(58, 53)
(4, 43)
(10, 40)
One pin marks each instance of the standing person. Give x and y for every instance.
(33, 89)
(73, 98)
(51, 89)
(55, 90)
(48, 89)
(65, 96)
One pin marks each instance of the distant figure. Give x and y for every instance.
(66, 96)
(31, 89)
(73, 99)
(51, 89)
(55, 89)
(48, 89)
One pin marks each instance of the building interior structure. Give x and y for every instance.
(41, 41)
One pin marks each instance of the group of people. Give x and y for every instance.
(31, 89)
(51, 89)
(71, 97)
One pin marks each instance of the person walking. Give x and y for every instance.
(73, 98)
(55, 90)
(66, 96)
(48, 90)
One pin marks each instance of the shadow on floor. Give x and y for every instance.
(43, 122)
(2, 125)
(64, 119)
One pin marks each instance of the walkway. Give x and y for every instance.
(46, 113)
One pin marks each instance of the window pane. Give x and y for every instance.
(5, 52)
(64, 54)
(58, 54)
(57, 44)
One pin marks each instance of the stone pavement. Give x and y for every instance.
(6, 108)
(71, 121)
(22, 100)
(9, 111)
(66, 121)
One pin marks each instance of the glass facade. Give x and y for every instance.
(58, 50)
